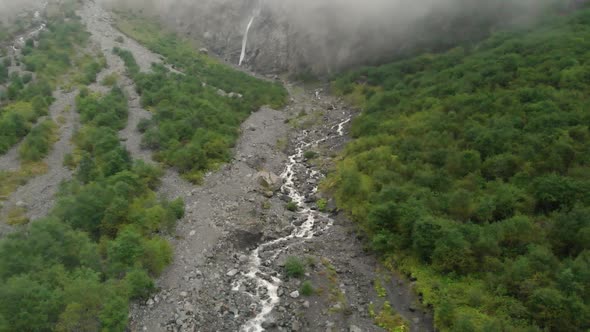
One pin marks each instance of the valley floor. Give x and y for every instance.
(229, 216)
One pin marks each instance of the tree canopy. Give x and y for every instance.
(470, 170)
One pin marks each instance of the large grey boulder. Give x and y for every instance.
(269, 180)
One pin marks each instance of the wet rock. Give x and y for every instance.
(269, 323)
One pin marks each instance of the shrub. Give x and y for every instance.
(307, 288)
(322, 204)
(292, 206)
(294, 267)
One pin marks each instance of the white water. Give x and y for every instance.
(245, 40)
(267, 285)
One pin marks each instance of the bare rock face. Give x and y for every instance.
(329, 35)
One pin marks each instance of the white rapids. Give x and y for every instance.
(259, 271)
(245, 40)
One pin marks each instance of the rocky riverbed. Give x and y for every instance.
(218, 290)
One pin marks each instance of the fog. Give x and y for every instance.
(325, 35)
(329, 34)
(10, 9)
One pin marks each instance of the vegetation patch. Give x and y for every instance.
(10, 180)
(294, 267)
(388, 319)
(38, 142)
(17, 216)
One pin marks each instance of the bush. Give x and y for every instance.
(306, 288)
(294, 267)
(139, 284)
(292, 206)
(322, 204)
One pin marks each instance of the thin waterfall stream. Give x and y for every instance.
(245, 40)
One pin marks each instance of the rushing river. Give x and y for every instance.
(259, 271)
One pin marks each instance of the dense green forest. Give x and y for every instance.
(194, 125)
(78, 268)
(471, 171)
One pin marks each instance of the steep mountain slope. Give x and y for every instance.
(329, 35)
(470, 170)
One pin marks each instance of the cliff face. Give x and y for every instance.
(326, 36)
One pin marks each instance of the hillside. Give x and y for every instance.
(470, 171)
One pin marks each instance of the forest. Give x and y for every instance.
(103, 242)
(101, 245)
(196, 119)
(470, 171)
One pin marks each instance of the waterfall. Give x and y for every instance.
(245, 41)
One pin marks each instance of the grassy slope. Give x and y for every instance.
(470, 170)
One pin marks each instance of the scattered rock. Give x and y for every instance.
(21, 204)
(294, 294)
(232, 273)
(203, 51)
(183, 294)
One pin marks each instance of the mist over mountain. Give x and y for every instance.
(324, 36)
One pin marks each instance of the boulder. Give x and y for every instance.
(269, 180)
